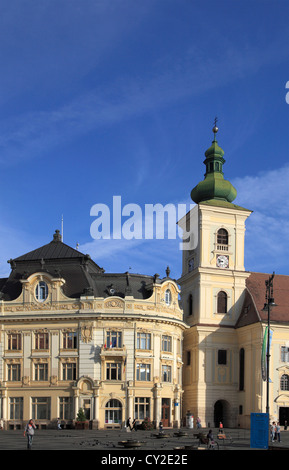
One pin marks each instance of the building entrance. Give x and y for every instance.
(165, 412)
(284, 415)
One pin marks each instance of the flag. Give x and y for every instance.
(264, 353)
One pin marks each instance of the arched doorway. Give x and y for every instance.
(221, 413)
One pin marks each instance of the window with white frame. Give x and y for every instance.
(14, 372)
(141, 407)
(16, 408)
(65, 408)
(143, 372)
(41, 340)
(113, 339)
(113, 371)
(166, 373)
(166, 343)
(69, 371)
(40, 407)
(41, 371)
(41, 291)
(69, 339)
(284, 354)
(14, 341)
(143, 341)
(168, 297)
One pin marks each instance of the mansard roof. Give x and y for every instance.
(81, 274)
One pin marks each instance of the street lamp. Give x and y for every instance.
(267, 307)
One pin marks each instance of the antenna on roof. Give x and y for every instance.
(62, 228)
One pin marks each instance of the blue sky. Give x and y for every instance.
(103, 98)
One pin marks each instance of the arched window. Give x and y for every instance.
(113, 412)
(222, 239)
(41, 291)
(222, 302)
(284, 382)
(168, 297)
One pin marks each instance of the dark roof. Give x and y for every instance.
(255, 297)
(56, 249)
(81, 274)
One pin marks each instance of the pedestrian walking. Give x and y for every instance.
(278, 432)
(220, 427)
(128, 424)
(134, 425)
(198, 423)
(58, 424)
(29, 431)
(273, 431)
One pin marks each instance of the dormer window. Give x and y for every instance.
(41, 291)
(168, 297)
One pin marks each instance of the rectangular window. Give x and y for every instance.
(14, 372)
(222, 356)
(167, 343)
(15, 408)
(284, 354)
(41, 371)
(69, 371)
(141, 408)
(65, 408)
(40, 407)
(143, 341)
(143, 372)
(70, 340)
(14, 341)
(166, 373)
(113, 339)
(113, 371)
(41, 341)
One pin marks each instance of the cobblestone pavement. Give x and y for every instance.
(110, 442)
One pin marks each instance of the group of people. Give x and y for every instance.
(275, 432)
(131, 425)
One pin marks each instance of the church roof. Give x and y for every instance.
(252, 310)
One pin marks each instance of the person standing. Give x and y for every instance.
(29, 431)
(128, 424)
(278, 432)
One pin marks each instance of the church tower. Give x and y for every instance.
(212, 285)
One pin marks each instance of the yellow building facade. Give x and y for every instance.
(223, 306)
(75, 337)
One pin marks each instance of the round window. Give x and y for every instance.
(41, 291)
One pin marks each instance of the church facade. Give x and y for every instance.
(224, 371)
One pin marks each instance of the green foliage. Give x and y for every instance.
(80, 415)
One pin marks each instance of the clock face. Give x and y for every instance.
(222, 261)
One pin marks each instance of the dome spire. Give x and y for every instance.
(214, 186)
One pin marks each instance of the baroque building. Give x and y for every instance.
(73, 336)
(224, 377)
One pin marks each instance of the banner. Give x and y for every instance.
(264, 353)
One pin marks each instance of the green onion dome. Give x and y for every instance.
(214, 186)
